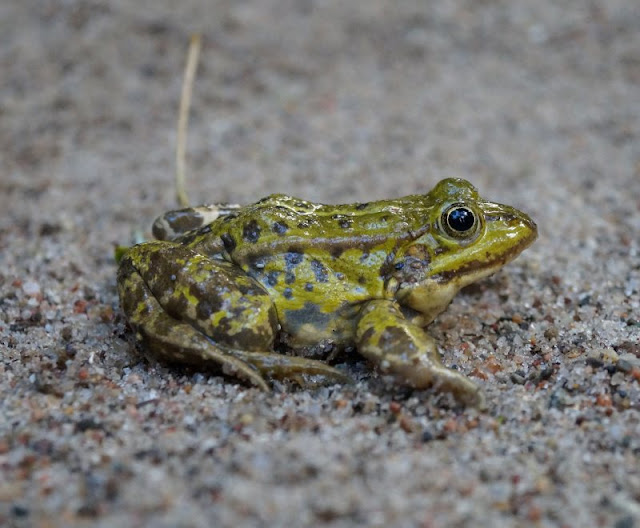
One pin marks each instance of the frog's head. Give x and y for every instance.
(468, 239)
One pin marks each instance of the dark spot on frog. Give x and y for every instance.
(303, 205)
(292, 259)
(272, 278)
(309, 314)
(305, 224)
(289, 277)
(229, 217)
(319, 271)
(362, 279)
(362, 206)
(228, 241)
(308, 286)
(280, 228)
(175, 306)
(343, 221)
(288, 293)
(339, 275)
(386, 266)
(204, 309)
(159, 232)
(336, 251)
(251, 231)
(220, 332)
(196, 289)
(206, 302)
(367, 335)
(364, 256)
(399, 265)
(161, 260)
(182, 220)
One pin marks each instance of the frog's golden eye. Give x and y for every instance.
(460, 221)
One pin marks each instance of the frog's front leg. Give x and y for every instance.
(401, 348)
(188, 308)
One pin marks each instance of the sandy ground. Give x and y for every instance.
(334, 101)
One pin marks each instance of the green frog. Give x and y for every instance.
(240, 286)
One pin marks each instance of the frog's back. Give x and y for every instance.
(278, 221)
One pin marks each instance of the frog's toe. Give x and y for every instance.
(442, 379)
(313, 380)
(300, 370)
(463, 390)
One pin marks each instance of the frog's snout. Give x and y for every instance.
(511, 230)
(528, 231)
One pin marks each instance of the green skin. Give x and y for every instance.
(225, 283)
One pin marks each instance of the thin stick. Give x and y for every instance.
(183, 118)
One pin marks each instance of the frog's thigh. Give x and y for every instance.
(169, 338)
(174, 296)
(401, 348)
(213, 296)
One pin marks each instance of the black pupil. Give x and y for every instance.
(461, 219)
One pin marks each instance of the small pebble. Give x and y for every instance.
(19, 510)
(31, 288)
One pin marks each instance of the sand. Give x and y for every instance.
(537, 105)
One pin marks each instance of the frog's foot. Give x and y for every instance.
(279, 366)
(172, 224)
(398, 347)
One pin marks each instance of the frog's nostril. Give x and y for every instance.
(531, 226)
(529, 230)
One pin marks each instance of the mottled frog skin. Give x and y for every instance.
(224, 284)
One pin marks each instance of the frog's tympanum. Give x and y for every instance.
(228, 285)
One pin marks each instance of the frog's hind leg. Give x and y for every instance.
(171, 339)
(192, 309)
(175, 223)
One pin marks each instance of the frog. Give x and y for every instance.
(268, 291)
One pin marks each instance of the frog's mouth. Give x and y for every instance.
(476, 269)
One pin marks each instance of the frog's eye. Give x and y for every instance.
(460, 221)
